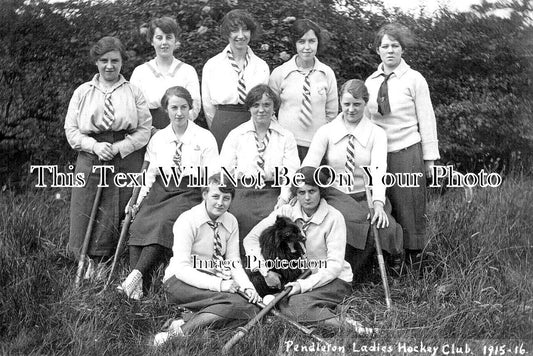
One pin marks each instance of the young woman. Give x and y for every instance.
(400, 104)
(228, 76)
(164, 71)
(107, 122)
(176, 156)
(349, 143)
(307, 87)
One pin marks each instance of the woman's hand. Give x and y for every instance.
(380, 217)
(272, 280)
(252, 295)
(281, 201)
(429, 168)
(104, 151)
(296, 288)
(229, 285)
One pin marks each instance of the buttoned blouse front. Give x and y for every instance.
(199, 149)
(239, 153)
(220, 80)
(325, 242)
(194, 240)
(412, 118)
(153, 83)
(288, 83)
(86, 109)
(331, 141)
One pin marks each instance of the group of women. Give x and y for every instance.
(259, 124)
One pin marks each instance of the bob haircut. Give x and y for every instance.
(166, 24)
(309, 179)
(356, 88)
(178, 91)
(301, 27)
(256, 93)
(396, 32)
(217, 180)
(104, 45)
(239, 18)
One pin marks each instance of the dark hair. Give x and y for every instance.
(356, 88)
(166, 24)
(397, 32)
(301, 27)
(239, 18)
(309, 179)
(104, 45)
(216, 179)
(256, 93)
(178, 91)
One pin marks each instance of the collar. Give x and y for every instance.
(203, 218)
(95, 83)
(361, 132)
(249, 52)
(248, 126)
(174, 66)
(188, 135)
(398, 72)
(319, 215)
(290, 66)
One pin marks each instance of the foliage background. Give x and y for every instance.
(478, 66)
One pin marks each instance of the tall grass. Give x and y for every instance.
(478, 286)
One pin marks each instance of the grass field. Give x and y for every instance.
(479, 287)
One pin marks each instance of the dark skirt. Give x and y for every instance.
(159, 211)
(106, 228)
(316, 305)
(160, 118)
(354, 208)
(227, 117)
(250, 206)
(223, 304)
(409, 204)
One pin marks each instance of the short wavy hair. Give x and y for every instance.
(256, 93)
(239, 18)
(166, 24)
(178, 91)
(356, 88)
(217, 180)
(301, 27)
(397, 32)
(107, 44)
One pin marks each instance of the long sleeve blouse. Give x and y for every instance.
(194, 245)
(331, 141)
(239, 153)
(288, 83)
(325, 242)
(86, 109)
(220, 80)
(153, 83)
(412, 118)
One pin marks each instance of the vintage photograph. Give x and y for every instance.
(266, 177)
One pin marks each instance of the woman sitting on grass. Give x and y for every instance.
(177, 150)
(205, 271)
(317, 297)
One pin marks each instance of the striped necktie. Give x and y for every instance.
(177, 158)
(109, 112)
(261, 148)
(220, 270)
(306, 116)
(383, 96)
(241, 86)
(350, 157)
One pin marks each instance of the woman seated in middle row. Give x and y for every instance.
(178, 150)
(349, 142)
(257, 148)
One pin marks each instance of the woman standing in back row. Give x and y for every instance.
(228, 76)
(164, 71)
(307, 87)
(400, 103)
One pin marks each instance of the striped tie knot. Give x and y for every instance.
(306, 116)
(221, 270)
(241, 85)
(261, 148)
